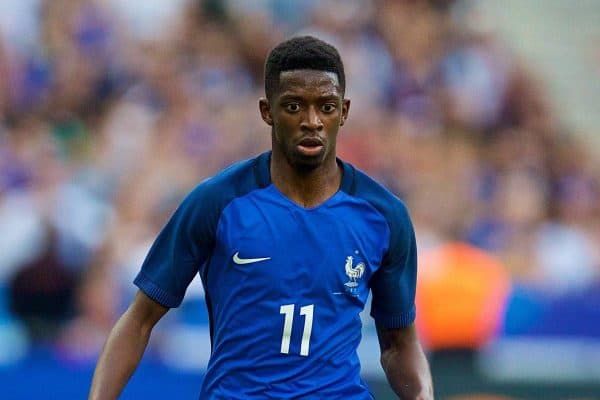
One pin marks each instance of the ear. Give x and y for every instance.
(345, 111)
(265, 111)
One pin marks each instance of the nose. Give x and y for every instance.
(311, 120)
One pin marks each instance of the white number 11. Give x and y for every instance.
(288, 311)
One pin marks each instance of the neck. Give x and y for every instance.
(306, 188)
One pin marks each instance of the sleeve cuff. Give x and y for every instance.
(156, 293)
(394, 321)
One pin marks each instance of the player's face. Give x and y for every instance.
(306, 114)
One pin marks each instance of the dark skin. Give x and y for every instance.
(305, 114)
(404, 363)
(124, 347)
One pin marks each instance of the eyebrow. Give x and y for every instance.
(328, 96)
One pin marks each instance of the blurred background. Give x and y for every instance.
(482, 115)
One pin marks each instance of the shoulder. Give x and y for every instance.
(215, 192)
(378, 196)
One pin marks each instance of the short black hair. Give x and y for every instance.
(302, 52)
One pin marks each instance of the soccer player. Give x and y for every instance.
(288, 245)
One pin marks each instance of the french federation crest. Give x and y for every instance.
(354, 273)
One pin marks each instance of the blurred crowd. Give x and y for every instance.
(110, 112)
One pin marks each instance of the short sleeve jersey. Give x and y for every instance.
(285, 284)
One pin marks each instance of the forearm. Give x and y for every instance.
(119, 359)
(408, 372)
(405, 364)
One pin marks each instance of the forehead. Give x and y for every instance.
(300, 80)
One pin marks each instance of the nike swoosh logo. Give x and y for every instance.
(241, 261)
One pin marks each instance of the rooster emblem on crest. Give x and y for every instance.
(353, 273)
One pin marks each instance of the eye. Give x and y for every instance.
(292, 107)
(328, 108)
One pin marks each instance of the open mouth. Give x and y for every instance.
(310, 146)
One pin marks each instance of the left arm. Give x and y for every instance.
(404, 363)
(394, 287)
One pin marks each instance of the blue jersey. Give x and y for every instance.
(285, 284)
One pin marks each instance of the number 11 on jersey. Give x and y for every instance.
(288, 311)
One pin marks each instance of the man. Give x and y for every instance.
(288, 245)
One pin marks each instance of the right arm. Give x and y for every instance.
(124, 347)
(183, 244)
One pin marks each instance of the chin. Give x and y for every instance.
(307, 167)
(307, 164)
